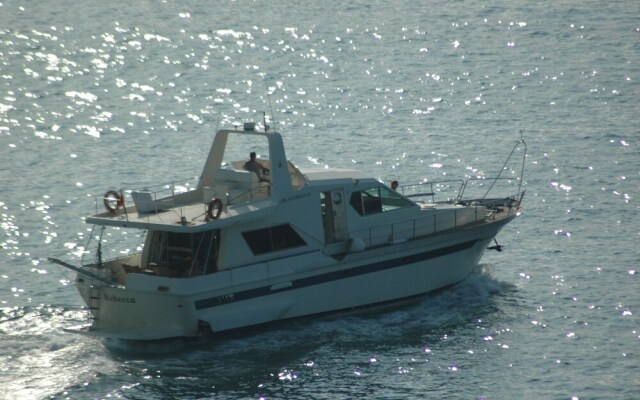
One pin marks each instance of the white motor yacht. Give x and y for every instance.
(244, 248)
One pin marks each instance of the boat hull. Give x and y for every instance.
(347, 293)
(372, 277)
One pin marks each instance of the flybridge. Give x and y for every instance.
(221, 192)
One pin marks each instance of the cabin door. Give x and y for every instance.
(334, 216)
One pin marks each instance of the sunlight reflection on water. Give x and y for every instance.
(116, 95)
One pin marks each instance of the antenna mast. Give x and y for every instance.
(273, 118)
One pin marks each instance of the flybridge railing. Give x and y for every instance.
(174, 197)
(260, 190)
(146, 200)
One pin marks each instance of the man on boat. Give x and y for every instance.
(254, 166)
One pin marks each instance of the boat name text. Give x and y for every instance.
(116, 299)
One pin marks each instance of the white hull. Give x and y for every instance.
(174, 312)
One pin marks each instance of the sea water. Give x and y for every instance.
(97, 96)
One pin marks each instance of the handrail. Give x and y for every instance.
(155, 191)
(251, 193)
(404, 189)
(493, 181)
(406, 192)
(391, 232)
(524, 156)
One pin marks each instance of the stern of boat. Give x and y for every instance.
(124, 314)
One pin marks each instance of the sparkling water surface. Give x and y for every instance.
(102, 95)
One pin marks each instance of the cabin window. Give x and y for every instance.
(274, 238)
(377, 200)
(183, 254)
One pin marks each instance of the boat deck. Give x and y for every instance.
(184, 211)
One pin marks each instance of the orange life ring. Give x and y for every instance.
(110, 197)
(214, 204)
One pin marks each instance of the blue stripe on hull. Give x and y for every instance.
(334, 276)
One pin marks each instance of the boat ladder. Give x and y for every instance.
(95, 293)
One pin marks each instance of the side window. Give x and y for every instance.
(391, 200)
(377, 200)
(356, 202)
(274, 238)
(366, 202)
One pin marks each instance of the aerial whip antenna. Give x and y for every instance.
(273, 118)
(218, 121)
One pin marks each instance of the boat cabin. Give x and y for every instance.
(235, 217)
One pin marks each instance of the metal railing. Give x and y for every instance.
(421, 190)
(147, 200)
(430, 189)
(396, 232)
(248, 195)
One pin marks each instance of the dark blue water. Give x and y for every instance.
(103, 95)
